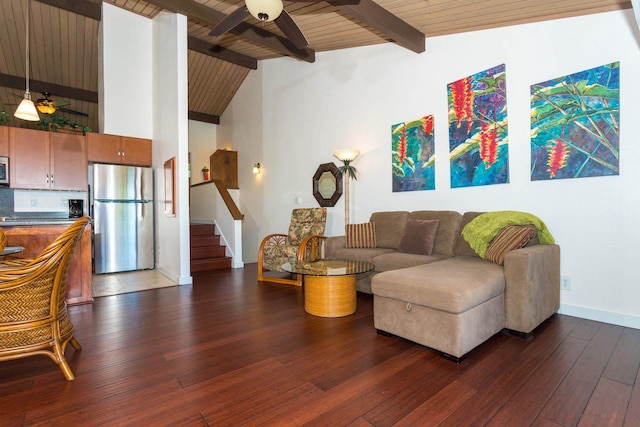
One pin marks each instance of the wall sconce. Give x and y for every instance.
(256, 168)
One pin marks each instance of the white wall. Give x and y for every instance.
(202, 144)
(125, 73)
(296, 114)
(171, 139)
(245, 135)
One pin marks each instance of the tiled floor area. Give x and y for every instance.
(131, 281)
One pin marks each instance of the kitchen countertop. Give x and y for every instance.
(10, 222)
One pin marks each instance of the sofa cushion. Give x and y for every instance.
(419, 236)
(461, 247)
(359, 254)
(395, 260)
(511, 237)
(453, 285)
(448, 228)
(360, 235)
(389, 227)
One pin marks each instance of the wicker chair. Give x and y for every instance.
(33, 311)
(304, 241)
(3, 240)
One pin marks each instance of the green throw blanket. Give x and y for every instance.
(480, 231)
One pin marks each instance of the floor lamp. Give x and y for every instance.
(346, 156)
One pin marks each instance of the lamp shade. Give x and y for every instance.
(346, 154)
(264, 10)
(27, 109)
(256, 168)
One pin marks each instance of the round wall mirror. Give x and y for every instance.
(327, 186)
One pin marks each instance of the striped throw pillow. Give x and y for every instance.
(360, 236)
(510, 238)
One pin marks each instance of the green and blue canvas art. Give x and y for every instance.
(575, 125)
(478, 134)
(412, 155)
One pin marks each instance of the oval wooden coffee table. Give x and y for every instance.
(329, 285)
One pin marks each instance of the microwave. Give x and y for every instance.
(4, 171)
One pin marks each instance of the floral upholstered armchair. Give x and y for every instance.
(303, 242)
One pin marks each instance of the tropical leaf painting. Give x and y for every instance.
(478, 137)
(575, 123)
(412, 155)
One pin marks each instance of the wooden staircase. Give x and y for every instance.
(206, 252)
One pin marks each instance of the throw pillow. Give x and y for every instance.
(419, 236)
(360, 236)
(510, 238)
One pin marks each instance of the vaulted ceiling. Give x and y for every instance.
(64, 40)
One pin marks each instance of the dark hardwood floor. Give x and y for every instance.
(230, 351)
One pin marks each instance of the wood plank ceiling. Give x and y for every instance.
(64, 40)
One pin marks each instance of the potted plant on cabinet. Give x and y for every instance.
(205, 173)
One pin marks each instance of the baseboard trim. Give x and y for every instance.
(600, 316)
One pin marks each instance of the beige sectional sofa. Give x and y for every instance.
(452, 300)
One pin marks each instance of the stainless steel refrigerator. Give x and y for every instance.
(123, 218)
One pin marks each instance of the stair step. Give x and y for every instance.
(203, 252)
(205, 240)
(211, 264)
(199, 229)
(206, 251)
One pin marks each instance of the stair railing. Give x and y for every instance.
(228, 201)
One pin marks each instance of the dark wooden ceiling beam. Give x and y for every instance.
(92, 10)
(382, 20)
(201, 13)
(220, 52)
(202, 117)
(61, 91)
(81, 7)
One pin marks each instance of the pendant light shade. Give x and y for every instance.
(27, 109)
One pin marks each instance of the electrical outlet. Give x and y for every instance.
(565, 283)
(34, 203)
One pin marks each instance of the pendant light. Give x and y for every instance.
(27, 110)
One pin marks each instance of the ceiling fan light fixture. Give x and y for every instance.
(264, 10)
(27, 109)
(46, 108)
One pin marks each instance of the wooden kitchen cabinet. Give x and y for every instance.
(4, 141)
(47, 160)
(35, 238)
(115, 149)
(224, 166)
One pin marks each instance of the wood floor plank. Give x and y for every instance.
(439, 407)
(230, 351)
(632, 416)
(625, 360)
(570, 398)
(607, 405)
(525, 404)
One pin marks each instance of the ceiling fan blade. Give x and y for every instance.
(78, 113)
(61, 103)
(233, 19)
(291, 30)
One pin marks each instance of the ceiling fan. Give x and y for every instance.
(48, 106)
(266, 11)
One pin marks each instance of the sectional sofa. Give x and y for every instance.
(454, 297)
